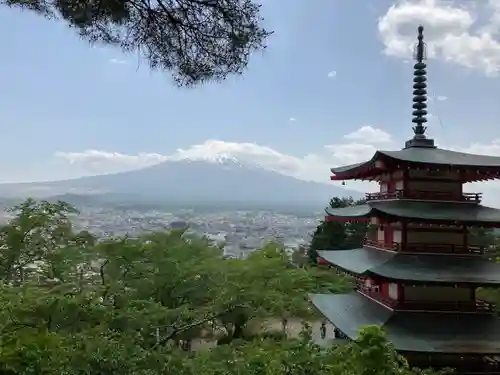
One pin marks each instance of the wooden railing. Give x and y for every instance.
(381, 244)
(426, 248)
(377, 296)
(462, 306)
(425, 195)
(478, 306)
(414, 247)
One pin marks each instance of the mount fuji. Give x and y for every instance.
(219, 179)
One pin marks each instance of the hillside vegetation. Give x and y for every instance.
(73, 304)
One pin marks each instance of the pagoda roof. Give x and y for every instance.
(421, 210)
(428, 155)
(428, 268)
(457, 333)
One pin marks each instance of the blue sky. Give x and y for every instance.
(68, 109)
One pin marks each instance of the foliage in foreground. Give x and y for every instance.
(70, 304)
(196, 40)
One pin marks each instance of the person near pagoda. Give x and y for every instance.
(322, 330)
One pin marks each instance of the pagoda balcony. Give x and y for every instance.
(425, 195)
(477, 306)
(394, 246)
(433, 248)
(425, 248)
(377, 296)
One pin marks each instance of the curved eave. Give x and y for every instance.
(352, 213)
(355, 171)
(438, 211)
(483, 167)
(419, 210)
(440, 269)
(356, 261)
(420, 268)
(443, 157)
(431, 332)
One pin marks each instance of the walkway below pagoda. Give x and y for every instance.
(458, 333)
(416, 267)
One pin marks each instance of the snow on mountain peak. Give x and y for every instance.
(210, 151)
(220, 158)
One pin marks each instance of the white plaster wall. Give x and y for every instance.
(397, 236)
(393, 291)
(380, 234)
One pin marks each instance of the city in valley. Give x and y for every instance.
(239, 231)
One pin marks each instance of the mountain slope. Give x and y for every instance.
(185, 181)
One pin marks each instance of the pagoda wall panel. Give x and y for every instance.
(435, 237)
(384, 177)
(422, 227)
(396, 175)
(437, 186)
(436, 293)
(397, 236)
(435, 174)
(380, 234)
(393, 291)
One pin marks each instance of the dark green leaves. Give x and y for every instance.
(196, 40)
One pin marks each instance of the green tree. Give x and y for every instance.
(300, 257)
(333, 235)
(36, 241)
(123, 305)
(196, 40)
(370, 354)
(155, 290)
(266, 286)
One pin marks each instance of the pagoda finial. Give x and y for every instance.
(420, 94)
(420, 87)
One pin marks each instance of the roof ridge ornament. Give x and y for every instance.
(420, 95)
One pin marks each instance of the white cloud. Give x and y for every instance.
(369, 135)
(292, 119)
(313, 167)
(441, 98)
(99, 162)
(332, 74)
(492, 148)
(465, 34)
(117, 61)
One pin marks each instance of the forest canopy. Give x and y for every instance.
(72, 303)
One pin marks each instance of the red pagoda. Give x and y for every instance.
(417, 273)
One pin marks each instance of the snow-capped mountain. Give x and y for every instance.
(219, 179)
(218, 158)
